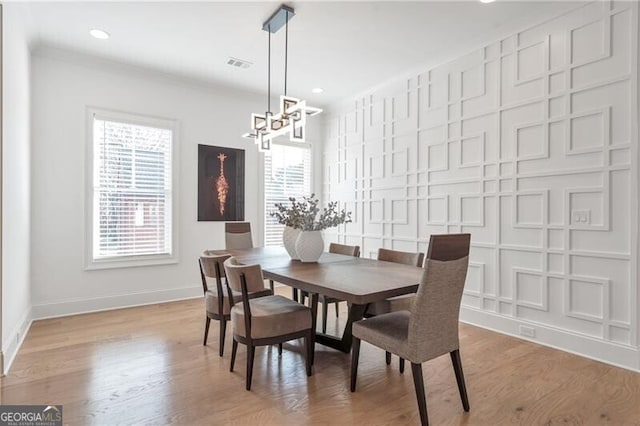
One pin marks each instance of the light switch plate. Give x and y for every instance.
(581, 217)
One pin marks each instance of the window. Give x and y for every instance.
(131, 200)
(287, 173)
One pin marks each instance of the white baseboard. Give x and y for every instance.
(14, 339)
(12, 344)
(107, 303)
(627, 357)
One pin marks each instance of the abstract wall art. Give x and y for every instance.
(220, 183)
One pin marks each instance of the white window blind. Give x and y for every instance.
(132, 189)
(287, 173)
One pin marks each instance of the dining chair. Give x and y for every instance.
(441, 247)
(344, 249)
(266, 320)
(430, 328)
(398, 303)
(326, 300)
(217, 305)
(237, 235)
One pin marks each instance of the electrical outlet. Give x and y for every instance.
(527, 331)
(582, 217)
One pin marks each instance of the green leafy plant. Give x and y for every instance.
(290, 215)
(307, 216)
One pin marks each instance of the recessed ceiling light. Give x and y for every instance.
(99, 34)
(317, 90)
(487, 1)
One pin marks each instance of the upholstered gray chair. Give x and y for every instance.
(344, 249)
(265, 320)
(430, 328)
(326, 300)
(217, 305)
(237, 235)
(398, 303)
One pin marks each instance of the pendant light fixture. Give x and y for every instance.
(292, 115)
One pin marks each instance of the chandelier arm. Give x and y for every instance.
(293, 112)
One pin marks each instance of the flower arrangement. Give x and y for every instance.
(306, 215)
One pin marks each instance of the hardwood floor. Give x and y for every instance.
(147, 365)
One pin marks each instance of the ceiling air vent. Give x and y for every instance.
(239, 63)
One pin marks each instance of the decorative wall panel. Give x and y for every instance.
(530, 145)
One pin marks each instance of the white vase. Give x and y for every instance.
(309, 246)
(289, 238)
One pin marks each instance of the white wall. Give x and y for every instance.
(636, 177)
(16, 206)
(513, 143)
(64, 84)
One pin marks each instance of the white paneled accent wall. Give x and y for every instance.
(530, 145)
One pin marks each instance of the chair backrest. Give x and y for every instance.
(212, 268)
(448, 246)
(252, 275)
(344, 249)
(433, 325)
(237, 235)
(404, 257)
(210, 265)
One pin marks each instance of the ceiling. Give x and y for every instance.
(343, 47)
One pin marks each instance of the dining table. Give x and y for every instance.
(358, 281)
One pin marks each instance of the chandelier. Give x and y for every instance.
(292, 115)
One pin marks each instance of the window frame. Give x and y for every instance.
(263, 192)
(128, 261)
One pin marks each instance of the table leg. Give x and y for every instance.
(313, 297)
(356, 313)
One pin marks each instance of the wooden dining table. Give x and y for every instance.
(355, 280)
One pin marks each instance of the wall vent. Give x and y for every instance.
(239, 63)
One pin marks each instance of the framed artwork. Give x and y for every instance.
(220, 183)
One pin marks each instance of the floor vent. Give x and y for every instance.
(239, 63)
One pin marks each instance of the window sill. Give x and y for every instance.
(130, 262)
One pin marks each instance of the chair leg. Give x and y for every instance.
(223, 332)
(337, 303)
(308, 342)
(251, 353)
(457, 367)
(294, 294)
(234, 349)
(271, 286)
(325, 308)
(401, 365)
(206, 330)
(279, 349)
(355, 355)
(387, 357)
(418, 383)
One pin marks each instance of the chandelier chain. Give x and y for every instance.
(286, 50)
(269, 74)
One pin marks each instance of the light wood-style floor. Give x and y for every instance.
(147, 365)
